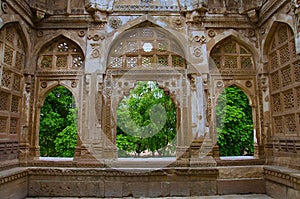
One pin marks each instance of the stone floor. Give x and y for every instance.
(251, 196)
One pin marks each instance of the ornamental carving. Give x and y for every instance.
(178, 22)
(115, 22)
(197, 52)
(4, 7)
(199, 38)
(81, 33)
(211, 33)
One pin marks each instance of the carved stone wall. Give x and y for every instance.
(192, 49)
(284, 69)
(11, 88)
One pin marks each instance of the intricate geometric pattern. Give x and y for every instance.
(275, 81)
(14, 104)
(77, 61)
(132, 46)
(13, 125)
(230, 62)
(162, 60)
(146, 32)
(145, 47)
(284, 54)
(216, 62)
(276, 103)
(116, 62)
(17, 82)
(177, 61)
(274, 60)
(246, 63)
(62, 61)
(282, 34)
(147, 61)
(46, 61)
(4, 101)
(19, 61)
(297, 70)
(298, 97)
(229, 54)
(230, 47)
(3, 124)
(286, 76)
(284, 65)
(288, 99)
(8, 55)
(278, 125)
(12, 75)
(6, 79)
(61, 54)
(290, 122)
(162, 46)
(131, 62)
(10, 34)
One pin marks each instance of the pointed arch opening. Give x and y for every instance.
(58, 124)
(234, 123)
(231, 55)
(60, 53)
(146, 46)
(146, 122)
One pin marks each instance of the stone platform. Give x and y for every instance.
(250, 196)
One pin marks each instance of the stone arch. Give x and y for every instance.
(271, 27)
(219, 55)
(133, 84)
(284, 72)
(49, 38)
(44, 93)
(240, 86)
(146, 20)
(232, 63)
(131, 53)
(41, 104)
(169, 74)
(60, 53)
(218, 100)
(236, 36)
(23, 32)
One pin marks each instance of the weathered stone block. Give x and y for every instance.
(276, 190)
(241, 186)
(113, 189)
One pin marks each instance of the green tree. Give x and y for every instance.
(58, 125)
(234, 123)
(146, 120)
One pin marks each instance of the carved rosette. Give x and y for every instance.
(115, 22)
(178, 22)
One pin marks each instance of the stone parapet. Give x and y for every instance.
(282, 182)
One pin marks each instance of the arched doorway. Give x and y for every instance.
(60, 62)
(232, 63)
(146, 123)
(234, 123)
(143, 53)
(58, 124)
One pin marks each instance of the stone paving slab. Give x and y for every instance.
(250, 196)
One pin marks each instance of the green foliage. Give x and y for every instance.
(234, 123)
(58, 125)
(146, 121)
